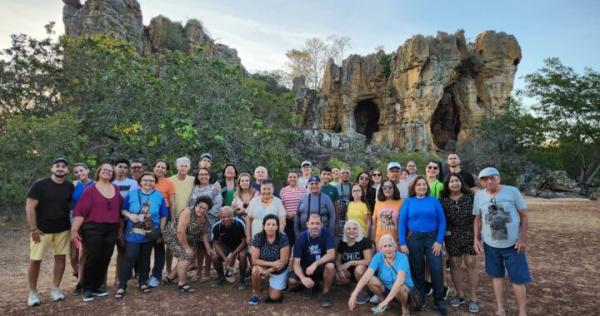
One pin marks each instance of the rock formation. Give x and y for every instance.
(428, 95)
(123, 20)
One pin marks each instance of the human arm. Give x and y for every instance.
(402, 225)
(398, 283)
(477, 244)
(30, 205)
(441, 219)
(281, 213)
(306, 281)
(521, 244)
(248, 219)
(77, 222)
(182, 226)
(332, 216)
(359, 286)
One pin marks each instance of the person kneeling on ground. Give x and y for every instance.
(229, 242)
(314, 254)
(354, 252)
(184, 237)
(392, 281)
(270, 254)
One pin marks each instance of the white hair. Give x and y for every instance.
(359, 237)
(387, 237)
(183, 159)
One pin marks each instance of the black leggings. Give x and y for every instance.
(99, 241)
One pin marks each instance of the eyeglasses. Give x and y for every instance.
(314, 183)
(148, 180)
(203, 174)
(376, 175)
(432, 167)
(388, 187)
(363, 178)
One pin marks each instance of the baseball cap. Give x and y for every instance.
(306, 162)
(488, 172)
(206, 155)
(60, 159)
(393, 164)
(314, 179)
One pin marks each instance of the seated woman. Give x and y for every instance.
(388, 276)
(270, 254)
(184, 236)
(146, 213)
(352, 257)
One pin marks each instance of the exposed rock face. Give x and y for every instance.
(428, 95)
(123, 19)
(548, 184)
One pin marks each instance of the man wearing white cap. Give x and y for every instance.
(393, 174)
(500, 231)
(306, 171)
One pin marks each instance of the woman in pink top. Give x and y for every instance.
(290, 197)
(97, 214)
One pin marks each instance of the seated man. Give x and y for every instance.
(314, 255)
(229, 243)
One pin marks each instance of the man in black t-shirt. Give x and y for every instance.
(454, 167)
(229, 243)
(47, 208)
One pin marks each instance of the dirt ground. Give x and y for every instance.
(563, 257)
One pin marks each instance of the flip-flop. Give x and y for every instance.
(120, 294)
(168, 280)
(185, 288)
(376, 310)
(145, 289)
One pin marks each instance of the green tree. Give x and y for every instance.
(570, 104)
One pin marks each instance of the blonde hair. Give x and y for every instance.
(359, 237)
(386, 237)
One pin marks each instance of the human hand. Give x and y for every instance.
(311, 269)
(134, 218)
(189, 251)
(478, 246)
(352, 301)
(521, 245)
(404, 250)
(307, 282)
(437, 249)
(36, 235)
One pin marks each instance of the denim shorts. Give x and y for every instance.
(499, 259)
(279, 281)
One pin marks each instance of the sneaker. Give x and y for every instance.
(33, 299)
(374, 300)
(218, 282)
(230, 275)
(254, 300)
(473, 306)
(445, 292)
(362, 298)
(242, 285)
(442, 309)
(57, 294)
(326, 300)
(154, 282)
(428, 288)
(457, 301)
(87, 296)
(100, 292)
(78, 290)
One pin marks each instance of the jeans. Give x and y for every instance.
(420, 246)
(159, 259)
(138, 255)
(99, 241)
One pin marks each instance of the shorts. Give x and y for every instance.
(279, 281)
(60, 242)
(352, 275)
(497, 260)
(316, 276)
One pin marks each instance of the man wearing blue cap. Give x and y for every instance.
(500, 231)
(315, 202)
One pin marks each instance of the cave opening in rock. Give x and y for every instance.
(366, 117)
(445, 122)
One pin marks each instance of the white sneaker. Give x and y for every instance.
(374, 300)
(33, 299)
(57, 294)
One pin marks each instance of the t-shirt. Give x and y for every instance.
(310, 204)
(166, 187)
(354, 252)
(258, 212)
(358, 211)
(403, 188)
(388, 274)
(134, 204)
(435, 188)
(52, 210)
(422, 215)
(231, 236)
(500, 217)
(309, 249)
(270, 252)
(467, 178)
(183, 189)
(95, 208)
(290, 197)
(344, 191)
(125, 186)
(331, 191)
(78, 191)
(385, 217)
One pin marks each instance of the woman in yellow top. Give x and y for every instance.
(358, 210)
(433, 171)
(385, 213)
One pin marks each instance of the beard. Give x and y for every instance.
(59, 175)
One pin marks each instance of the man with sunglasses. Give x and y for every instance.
(500, 231)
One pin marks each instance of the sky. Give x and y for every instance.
(263, 30)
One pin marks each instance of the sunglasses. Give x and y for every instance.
(376, 175)
(388, 187)
(432, 167)
(363, 178)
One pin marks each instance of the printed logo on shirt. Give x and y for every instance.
(315, 250)
(497, 217)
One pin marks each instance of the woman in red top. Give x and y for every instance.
(97, 214)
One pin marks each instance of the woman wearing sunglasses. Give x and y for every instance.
(433, 171)
(385, 213)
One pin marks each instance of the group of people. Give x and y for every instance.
(391, 236)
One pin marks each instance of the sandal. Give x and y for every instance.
(168, 280)
(376, 310)
(185, 288)
(145, 289)
(120, 294)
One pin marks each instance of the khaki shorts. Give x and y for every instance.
(60, 243)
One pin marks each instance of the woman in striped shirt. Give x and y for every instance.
(290, 196)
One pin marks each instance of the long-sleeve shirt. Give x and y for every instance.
(422, 215)
(315, 203)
